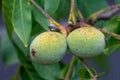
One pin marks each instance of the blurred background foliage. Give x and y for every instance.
(24, 22)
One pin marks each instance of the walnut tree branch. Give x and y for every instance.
(117, 36)
(72, 10)
(105, 13)
(50, 19)
(94, 77)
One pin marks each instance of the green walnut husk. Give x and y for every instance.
(86, 42)
(48, 48)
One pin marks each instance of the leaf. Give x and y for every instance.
(77, 66)
(88, 7)
(113, 25)
(48, 72)
(28, 71)
(7, 8)
(111, 49)
(40, 18)
(63, 10)
(9, 55)
(63, 71)
(36, 28)
(29, 74)
(40, 2)
(51, 8)
(22, 19)
(83, 73)
(112, 44)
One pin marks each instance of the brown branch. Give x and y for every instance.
(87, 68)
(108, 15)
(46, 15)
(101, 15)
(117, 36)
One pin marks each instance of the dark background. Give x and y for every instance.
(113, 60)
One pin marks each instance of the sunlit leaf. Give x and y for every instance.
(22, 19)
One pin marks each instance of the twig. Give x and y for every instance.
(117, 36)
(80, 14)
(108, 15)
(97, 16)
(72, 15)
(50, 19)
(69, 69)
(36, 5)
(87, 68)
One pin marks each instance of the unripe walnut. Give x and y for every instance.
(86, 42)
(48, 48)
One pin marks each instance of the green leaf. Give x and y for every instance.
(88, 7)
(40, 2)
(63, 10)
(51, 6)
(29, 74)
(113, 25)
(64, 71)
(40, 18)
(48, 72)
(9, 55)
(112, 44)
(111, 49)
(22, 19)
(7, 9)
(83, 73)
(36, 28)
(77, 66)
